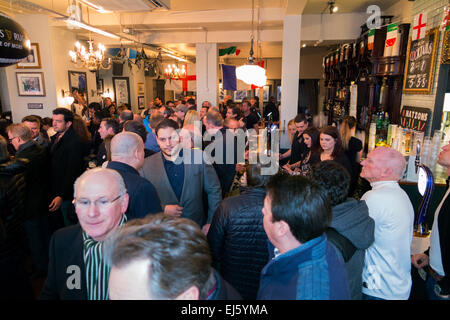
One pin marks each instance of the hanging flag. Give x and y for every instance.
(419, 26)
(391, 38)
(113, 51)
(446, 21)
(370, 39)
(229, 77)
(229, 51)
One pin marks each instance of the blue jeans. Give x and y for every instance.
(430, 283)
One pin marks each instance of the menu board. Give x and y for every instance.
(415, 118)
(420, 63)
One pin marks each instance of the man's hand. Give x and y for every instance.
(173, 210)
(420, 260)
(205, 228)
(55, 204)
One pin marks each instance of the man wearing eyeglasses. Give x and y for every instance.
(77, 270)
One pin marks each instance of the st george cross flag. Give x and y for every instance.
(229, 77)
(419, 26)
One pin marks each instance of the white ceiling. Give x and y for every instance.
(190, 18)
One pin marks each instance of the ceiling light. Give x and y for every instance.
(304, 45)
(90, 28)
(251, 73)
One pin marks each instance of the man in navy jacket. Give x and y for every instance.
(305, 266)
(127, 155)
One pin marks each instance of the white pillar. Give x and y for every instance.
(290, 71)
(206, 70)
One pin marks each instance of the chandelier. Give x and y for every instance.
(92, 60)
(173, 72)
(250, 72)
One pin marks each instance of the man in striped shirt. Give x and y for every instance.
(77, 270)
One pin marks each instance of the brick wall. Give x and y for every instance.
(435, 15)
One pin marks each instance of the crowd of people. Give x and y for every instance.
(103, 203)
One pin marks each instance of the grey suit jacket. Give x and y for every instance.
(197, 178)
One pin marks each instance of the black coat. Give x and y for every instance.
(12, 199)
(143, 197)
(66, 261)
(37, 176)
(238, 241)
(67, 164)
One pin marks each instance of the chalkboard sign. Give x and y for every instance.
(420, 63)
(415, 118)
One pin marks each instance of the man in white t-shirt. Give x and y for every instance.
(387, 264)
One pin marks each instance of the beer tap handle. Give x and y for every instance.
(417, 160)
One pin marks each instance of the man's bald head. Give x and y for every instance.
(128, 147)
(383, 164)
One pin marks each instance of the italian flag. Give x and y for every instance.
(391, 35)
(229, 51)
(370, 39)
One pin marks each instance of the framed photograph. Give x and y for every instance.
(121, 90)
(78, 86)
(140, 88)
(33, 61)
(266, 90)
(30, 84)
(100, 86)
(239, 95)
(35, 106)
(141, 102)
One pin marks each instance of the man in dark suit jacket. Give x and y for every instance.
(127, 157)
(67, 153)
(224, 162)
(36, 213)
(77, 270)
(181, 176)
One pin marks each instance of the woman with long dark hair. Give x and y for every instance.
(331, 148)
(353, 148)
(311, 139)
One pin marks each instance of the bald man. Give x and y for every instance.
(127, 157)
(387, 265)
(76, 269)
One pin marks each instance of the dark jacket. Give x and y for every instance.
(143, 196)
(312, 271)
(12, 199)
(223, 291)
(238, 241)
(351, 219)
(66, 266)
(67, 163)
(225, 169)
(37, 174)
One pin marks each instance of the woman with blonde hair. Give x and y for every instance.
(291, 130)
(191, 117)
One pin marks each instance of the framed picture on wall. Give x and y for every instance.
(78, 86)
(141, 102)
(100, 86)
(266, 90)
(33, 61)
(239, 95)
(121, 90)
(30, 84)
(140, 88)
